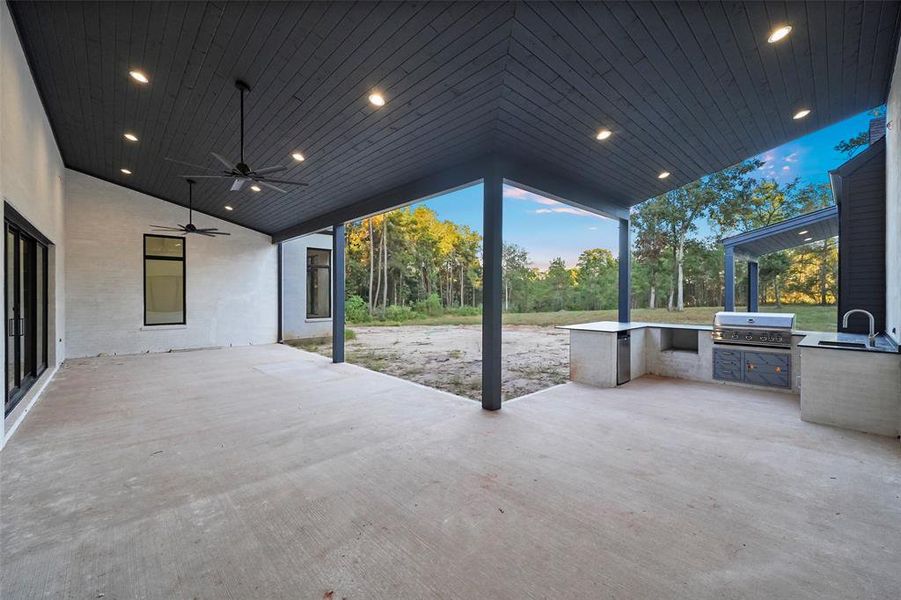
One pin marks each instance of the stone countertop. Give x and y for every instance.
(616, 327)
(884, 344)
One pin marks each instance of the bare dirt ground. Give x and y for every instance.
(448, 357)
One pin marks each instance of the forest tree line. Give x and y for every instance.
(408, 262)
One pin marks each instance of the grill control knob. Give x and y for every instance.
(734, 336)
(749, 337)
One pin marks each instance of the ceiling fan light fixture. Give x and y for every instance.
(779, 33)
(138, 76)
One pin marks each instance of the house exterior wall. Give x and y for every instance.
(861, 246)
(32, 181)
(893, 204)
(231, 282)
(295, 324)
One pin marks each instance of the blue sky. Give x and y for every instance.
(548, 229)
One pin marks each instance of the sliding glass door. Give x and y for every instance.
(25, 287)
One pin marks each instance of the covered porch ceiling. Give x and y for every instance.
(685, 88)
(812, 227)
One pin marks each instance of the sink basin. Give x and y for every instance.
(842, 344)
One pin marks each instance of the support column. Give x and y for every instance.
(492, 290)
(729, 279)
(338, 293)
(280, 292)
(753, 278)
(625, 272)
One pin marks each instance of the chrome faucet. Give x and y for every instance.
(872, 336)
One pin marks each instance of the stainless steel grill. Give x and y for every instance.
(753, 329)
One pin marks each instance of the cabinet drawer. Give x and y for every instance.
(767, 368)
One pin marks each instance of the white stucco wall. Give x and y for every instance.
(32, 182)
(893, 205)
(231, 282)
(295, 324)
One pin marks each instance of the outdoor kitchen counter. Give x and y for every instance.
(853, 388)
(680, 350)
(813, 338)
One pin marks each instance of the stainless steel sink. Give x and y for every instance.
(842, 344)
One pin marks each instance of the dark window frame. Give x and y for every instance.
(23, 230)
(328, 268)
(184, 277)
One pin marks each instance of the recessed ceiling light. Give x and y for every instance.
(298, 157)
(779, 33)
(255, 188)
(603, 134)
(663, 175)
(802, 232)
(227, 207)
(801, 114)
(139, 76)
(808, 239)
(377, 99)
(131, 137)
(126, 171)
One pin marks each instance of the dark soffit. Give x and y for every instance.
(688, 88)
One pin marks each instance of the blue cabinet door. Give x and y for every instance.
(767, 368)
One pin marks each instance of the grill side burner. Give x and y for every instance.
(772, 330)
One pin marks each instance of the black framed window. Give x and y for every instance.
(164, 280)
(26, 305)
(319, 283)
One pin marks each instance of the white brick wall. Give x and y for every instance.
(31, 181)
(295, 324)
(231, 282)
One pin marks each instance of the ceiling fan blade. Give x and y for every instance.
(164, 228)
(222, 159)
(270, 186)
(181, 162)
(266, 170)
(285, 181)
(216, 233)
(207, 229)
(238, 184)
(207, 176)
(203, 233)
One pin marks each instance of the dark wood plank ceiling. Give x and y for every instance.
(686, 87)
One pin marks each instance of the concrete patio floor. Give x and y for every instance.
(267, 472)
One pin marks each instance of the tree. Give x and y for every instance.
(677, 213)
(596, 278)
(650, 247)
(851, 145)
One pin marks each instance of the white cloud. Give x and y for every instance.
(567, 210)
(785, 168)
(527, 196)
(793, 157)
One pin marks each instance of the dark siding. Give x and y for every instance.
(862, 242)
